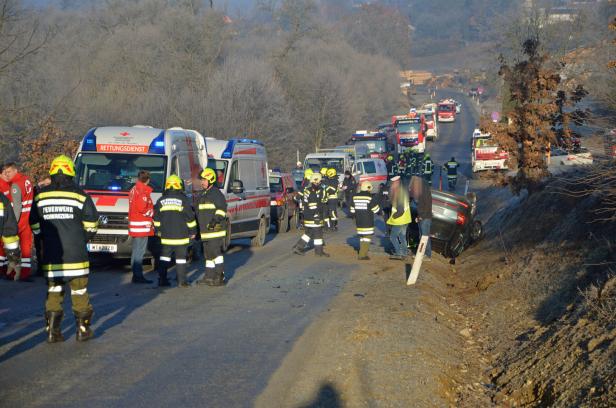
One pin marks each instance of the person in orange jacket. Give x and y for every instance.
(22, 194)
(5, 189)
(140, 223)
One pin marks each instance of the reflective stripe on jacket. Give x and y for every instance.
(140, 211)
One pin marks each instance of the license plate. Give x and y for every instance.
(107, 248)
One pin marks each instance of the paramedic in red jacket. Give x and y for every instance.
(140, 223)
(22, 194)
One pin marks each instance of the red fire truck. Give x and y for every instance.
(410, 131)
(446, 111)
(375, 143)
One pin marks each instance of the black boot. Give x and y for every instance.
(162, 275)
(180, 270)
(300, 247)
(318, 250)
(83, 321)
(54, 321)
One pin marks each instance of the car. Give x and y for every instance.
(577, 157)
(284, 212)
(455, 226)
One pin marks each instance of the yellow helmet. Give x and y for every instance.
(323, 171)
(173, 183)
(209, 175)
(308, 173)
(62, 164)
(331, 172)
(365, 186)
(316, 178)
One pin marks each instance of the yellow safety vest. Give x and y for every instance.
(406, 216)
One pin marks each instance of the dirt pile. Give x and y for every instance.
(542, 291)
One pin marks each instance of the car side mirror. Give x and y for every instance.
(237, 187)
(290, 190)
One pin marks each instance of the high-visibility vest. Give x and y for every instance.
(406, 216)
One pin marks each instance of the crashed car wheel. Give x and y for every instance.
(476, 231)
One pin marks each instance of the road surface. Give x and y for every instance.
(191, 347)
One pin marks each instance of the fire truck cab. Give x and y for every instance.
(446, 111)
(410, 131)
(374, 142)
(108, 162)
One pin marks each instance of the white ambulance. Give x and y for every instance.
(243, 177)
(107, 164)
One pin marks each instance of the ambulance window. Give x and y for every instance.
(370, 167)
(175, 167)
(220, 167)
(360, 168)
(248, 173)
(261, 173)
(234, 174)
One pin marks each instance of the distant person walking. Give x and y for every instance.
(422, 195)
(400, 219)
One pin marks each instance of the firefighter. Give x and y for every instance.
(331, 190)
(324, 185)
(392, 167)
(9, 234)
(401, 165)
(22, 193)
(174, 220)
(314, 202)
(5, 190)
(65, 218)
(428, 168)
(211, 214)
(452, 172)
(364, 206)
(300, 194)
(349, 185)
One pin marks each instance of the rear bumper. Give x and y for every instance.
(446, 119)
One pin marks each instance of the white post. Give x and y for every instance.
(421, 249)
(466, 187)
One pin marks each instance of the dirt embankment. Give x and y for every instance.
(542, 291)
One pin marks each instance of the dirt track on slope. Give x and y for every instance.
(381, 343)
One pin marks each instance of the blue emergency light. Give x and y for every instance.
(158, 144)
(228, 152)
(89, 141)
(114, 187)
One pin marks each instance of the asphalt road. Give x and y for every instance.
(191, 347)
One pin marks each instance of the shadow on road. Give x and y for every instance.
(328, 397)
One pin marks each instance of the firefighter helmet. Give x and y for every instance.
(62, 164)
(323, 171)
(308, 173)
(427, 156)
(331, 172)
(209, 175)
(173, 183)
(316, 178)
(390, 158)
(365, 186)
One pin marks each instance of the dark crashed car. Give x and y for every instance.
(454, 224)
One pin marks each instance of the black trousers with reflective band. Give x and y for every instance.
(166, 253)
(79, 294)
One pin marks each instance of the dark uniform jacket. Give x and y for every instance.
(452, 168)
(314, 205)
(8, 225)
(350, 184)
(174, 218)
(211, 212)
(64, 217)
(331, 187)
(364, 206)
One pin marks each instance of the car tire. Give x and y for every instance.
(476, 231)
(456, 246)
(259, 239)
(282, 224)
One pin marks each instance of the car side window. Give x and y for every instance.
(175, 166)
(234, 175)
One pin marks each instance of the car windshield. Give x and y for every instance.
(379, 146)
(118, 172)
(407, 127)
(446, 108)
(220, 167)
(317, 163)
(275, 184)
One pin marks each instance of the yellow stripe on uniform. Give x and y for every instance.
(60, 267)
(157, 223)
(63, 194)
(207, 206)
(182, 241)
(211, 235)
(221, 213)
(90, 226)
(191, 224)
(171, 208)
(11, 242)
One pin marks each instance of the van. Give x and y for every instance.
(243, 177)
(108, 161)
(372, 170)
(340, 158)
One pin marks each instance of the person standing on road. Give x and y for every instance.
(428, 168)
(9, 234)
(211, 216)
(22, 194)
(65, 218)
(300, 194)
(140, 223)
(5, 190)
(452, 173)
(399, 220)
(314, 202)
(349, 185)
(422, 195)
(364, 206)
(332, 198)
(392, 167)
(175, 223)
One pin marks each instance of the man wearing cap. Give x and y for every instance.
(174, 220)
(211, 216)
(65, 218)
(331, 191)
(364, 206)
(315, 200)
